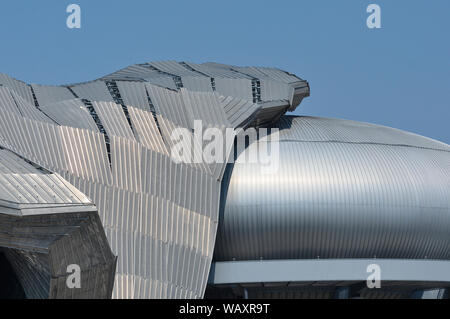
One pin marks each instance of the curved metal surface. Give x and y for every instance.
(160, 216)
(343, 190)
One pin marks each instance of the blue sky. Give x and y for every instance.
(397, 76)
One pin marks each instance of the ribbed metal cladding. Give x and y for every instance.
(46, 224)
(94, 91)
(343, 190)
(173, 67)
(51, 94)
(254, 84)
(12, 102)
(7, 102)
(19, 87)
(28, 110)
(134, 94)
(197, 83)
(170, 104)
(239, 112)
(160, 216)
(72, 113)
(22, 183)
(146, 130)
(134, 72)
(113, 118)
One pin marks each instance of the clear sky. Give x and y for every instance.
(398, 75)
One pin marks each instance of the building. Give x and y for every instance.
(345, 196)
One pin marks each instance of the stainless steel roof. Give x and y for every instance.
(95, 91)
(27, 188)
(19, 87)
(113, 144)
(344, 189)
(70, 112)
(51, 94)
(255, 84)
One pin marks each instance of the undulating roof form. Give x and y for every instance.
(111, 139)
(83, 160)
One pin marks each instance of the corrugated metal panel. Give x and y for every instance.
(238, 88)
(165, 221)
(215, 160)
(34, 140)
(113, 119)
(170, 105)
(132, 72)
(70, 113)
(339, 198)
(163, 178)
(12, 131)
(215, 70)
(173, 67)
(270, 112)
(187, 143)
(146, 130)
(7, 103)
(46, 94)
(85, 154)
(134, 94)
(238, 111)
(126, 164)
(29, 110)
(160, 217)
(159, 241)
(12, 102)
(22, 183)
(4, 143)
(94, 91)
(19, 87)
(99, 194)
(205, 241)
(323, 129)
(197, 83)
(45, 143)
(165, 81)
(204, 107)
(253, 72)
(279, 75)
(273, 91)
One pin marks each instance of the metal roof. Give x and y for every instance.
(25, 187)
(343, 189)
(113, 144)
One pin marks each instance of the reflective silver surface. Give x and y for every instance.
(159, 216)
(343, 190)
